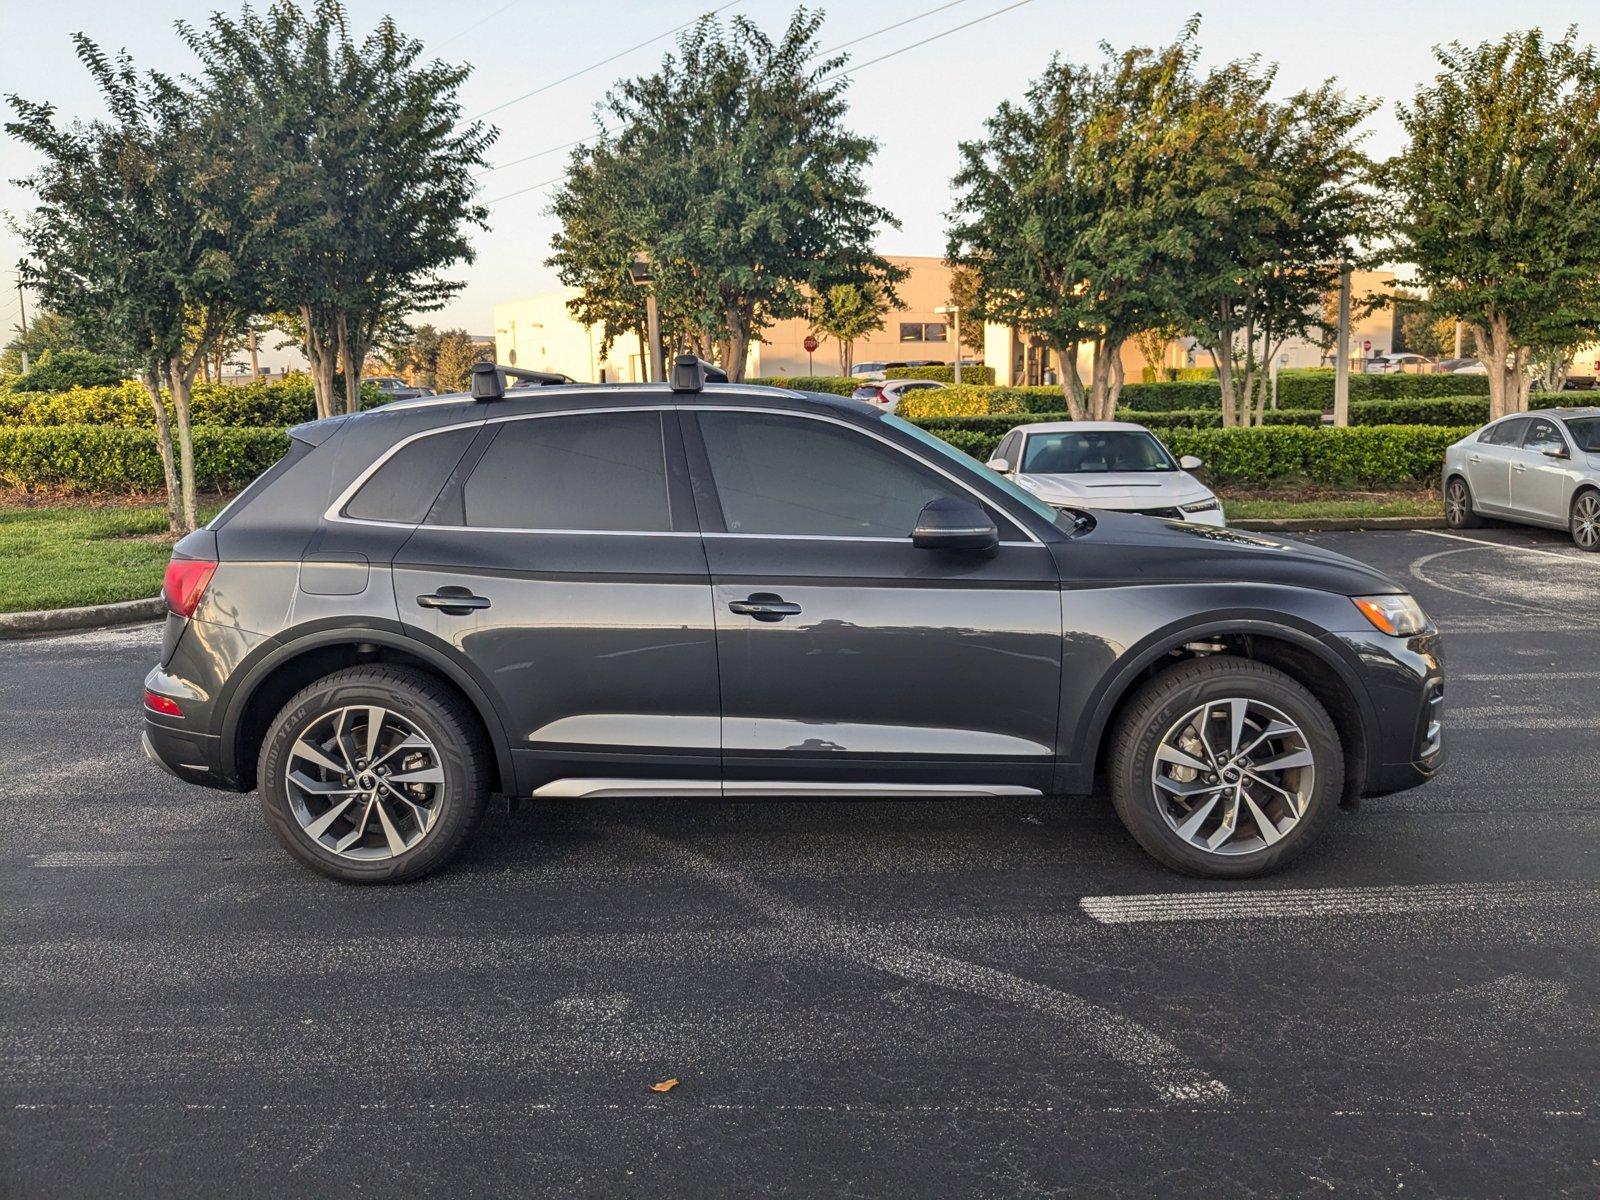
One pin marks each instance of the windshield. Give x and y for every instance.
(1093, 452)
(965, 462)
(1586, 433)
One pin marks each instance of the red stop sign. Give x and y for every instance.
(1366, 345)
(810, 343)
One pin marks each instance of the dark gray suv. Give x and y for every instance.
(707, 589)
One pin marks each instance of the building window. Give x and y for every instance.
(922, 331)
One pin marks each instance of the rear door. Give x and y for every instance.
(1489, 463)
(562, 563)
(868, 665)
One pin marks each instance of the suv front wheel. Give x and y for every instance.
(374, 774)
(1225, 767)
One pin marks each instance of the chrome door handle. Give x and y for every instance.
(1518, 467)
(1474, 458)
(454, 602)
(764, 606)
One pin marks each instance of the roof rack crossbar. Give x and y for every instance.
(690, 373)
(489, 379)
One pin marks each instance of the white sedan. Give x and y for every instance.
(1105, 464)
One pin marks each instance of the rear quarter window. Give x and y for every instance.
(406, 484)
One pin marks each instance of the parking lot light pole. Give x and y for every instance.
(953, 311)
(1341, 368)
(642, 269)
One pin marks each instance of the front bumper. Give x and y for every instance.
(1405, 683)
(1210, 516)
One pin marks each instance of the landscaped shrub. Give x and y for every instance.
(274, 403)
(970, 373)
(58, 370)
(838, 385)
(105, 458)
(999, 424)
(1366, 456)
(1313, 387)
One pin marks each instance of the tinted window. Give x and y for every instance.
(1093, 452)
(1586, 433)
(1507, 433)
(1543, 435)
(603, 471)
(405, 486)
(789, 475)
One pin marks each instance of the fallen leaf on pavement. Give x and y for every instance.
(666, 1085)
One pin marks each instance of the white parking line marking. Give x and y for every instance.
(104, 858)
(1167, 1070)
(1575, 556)
(1332, 902)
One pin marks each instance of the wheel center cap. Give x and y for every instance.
(368, 782)
(1230, 775)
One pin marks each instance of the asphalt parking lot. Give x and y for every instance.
(886, 999)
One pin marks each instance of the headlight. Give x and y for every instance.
(1399, 614)
(1210, 505)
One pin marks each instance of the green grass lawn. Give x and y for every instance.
(1388, 506)
(70, 556)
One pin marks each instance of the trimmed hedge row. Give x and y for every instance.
(1365, 456)
(998, 424)
(1444, 410)
(973, 401)
(263, 404)
(104, 458)
(970, 373)
(1313, 387)
(838, 385)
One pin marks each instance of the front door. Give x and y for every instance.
(563, 562)
(1489, 464)
(851, 660)
(1541, 485)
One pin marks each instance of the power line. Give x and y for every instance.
(517, 162)
(532, 187)
(461, 33)
(865, 36)
(595, 65)
(845, 71)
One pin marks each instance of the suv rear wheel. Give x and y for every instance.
(1225, 767)
(374, 774)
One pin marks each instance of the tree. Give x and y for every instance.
(354, 156)
(123, 242)
(845, 312)
(453, 363)
(415, 356)
(1068, 215)
(1496, 199)
(48, 332)
(732, 167)
(964, 295)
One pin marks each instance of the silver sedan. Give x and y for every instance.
(1540, 468)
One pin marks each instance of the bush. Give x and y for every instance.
(104, 458)
(974, 373)
(274, 403)
(1171, 396)
(1365, 456)
(838, 385)
(58, 370)
(1439, 410)
(1313, 387)
(996, 425)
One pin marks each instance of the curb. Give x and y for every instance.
(1336, 524)
(95, 616)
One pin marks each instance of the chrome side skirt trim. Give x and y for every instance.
(582, 788)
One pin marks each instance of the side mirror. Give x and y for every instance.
(950, 523)
(1190, 463)
(998, 464)
(1556, 452)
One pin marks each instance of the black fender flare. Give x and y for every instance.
(273, 654)
(1130, 668)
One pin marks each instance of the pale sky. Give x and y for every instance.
(918, 105)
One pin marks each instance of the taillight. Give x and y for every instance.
(882, 397)
(185, 583)
(165, 705)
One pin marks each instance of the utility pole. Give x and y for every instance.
(642, 269)
(954, 312)
(1461, 337)
(255, 364)
(1341, 368)
(22, 297)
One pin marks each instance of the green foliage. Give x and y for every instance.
(838, 385)
(1434, 410)
(999, 424)
(973, 374)
(58, 370)
(733, 167)
(1372, 456)
(1313, 387)
(453, 364)
(101, 458)
(972, 400)
(273, 403)
(845, 312)
(1496, 198)
(48, 332)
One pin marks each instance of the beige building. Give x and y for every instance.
(540, 334)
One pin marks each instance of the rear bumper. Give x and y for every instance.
(191, 757)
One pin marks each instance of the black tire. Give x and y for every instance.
(1583, 518)
(1162, 702)
(438, 713)
(1459, 515)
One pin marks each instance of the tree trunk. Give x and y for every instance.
(1071, 385)
(180, 377)
(151, 378)
(322, 357)
(738, 345)
(847, 356)
(1117, 378)
(1508, 381)
(350, 364)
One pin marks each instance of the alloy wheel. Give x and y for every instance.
(1233, 776)
(1455, 503)
(364, 782)
(1586, 520)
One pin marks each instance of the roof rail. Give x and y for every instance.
(489, 379)
(690, 374)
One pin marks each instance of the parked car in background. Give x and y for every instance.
(870, 370)
(1105, 465)
(887, 394)
(1397, 364)
(1460, 366)
(1538, 468)
(727, 591)
(395, 388)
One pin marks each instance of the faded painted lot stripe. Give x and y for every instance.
(1574, 555)
(1334, 902)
